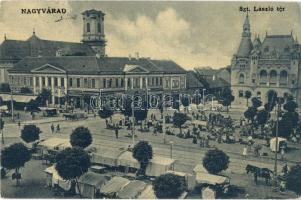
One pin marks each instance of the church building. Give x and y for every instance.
(270, 64)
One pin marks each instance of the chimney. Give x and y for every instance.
(137, 55)
(130, 57)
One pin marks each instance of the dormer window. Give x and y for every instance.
(266, 49)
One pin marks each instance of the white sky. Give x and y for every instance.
(190, 33)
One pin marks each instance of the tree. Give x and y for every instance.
(250, 114)
(81, 137)
(290, 106)
(169, 186)
(185, 100)
(215, 161)
(179, 119)
(226, 98)
(248, 95)
(127, 106)
(256, 103)
(43, 97)
(272, 100)
(30, 133)
(71, 163)
(140, 115)
(105, 112)
(4, 87)
(294, 179)
(262, 118)
(14, 157)
(289, 120)
(143, 153)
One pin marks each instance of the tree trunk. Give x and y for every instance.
(76, 182)
(247, 102)
(180, 129)
(17, 177)
(141, 125)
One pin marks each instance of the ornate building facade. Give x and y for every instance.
(76, 71)
(261, 66)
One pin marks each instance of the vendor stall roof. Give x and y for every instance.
(18, 98)
(162, 160)
(131, 190)
(203, 178)
(94, 179)
(114, 185)
(55, 142)
(147, 193)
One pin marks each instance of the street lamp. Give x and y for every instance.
(171, 144)
(204, 98)
(133, 125)
(12, 105)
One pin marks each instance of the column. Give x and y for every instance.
(125, 83)
(278, 80)
(34, 85)
(141, 82)
(146, 82)
(40, 83)
(268, 79)
(171, 82)
(52, 90)
(46, 81)
(132, 83)
(59, 86)
(65, 85)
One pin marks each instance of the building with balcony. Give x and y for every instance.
(261, 66)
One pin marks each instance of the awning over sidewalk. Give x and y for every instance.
(18, 98)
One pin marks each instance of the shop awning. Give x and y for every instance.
(18, 98)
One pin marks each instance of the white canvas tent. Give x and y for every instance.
(53, 178)
(131, 190)
(273, 143)
(55, 144)
(126, 159)
(90, 183)
(202, 176)
(159, 165)
(147, 193)
(189, 178)
(113, 186)
(107, 156)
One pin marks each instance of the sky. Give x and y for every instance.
(193, 34)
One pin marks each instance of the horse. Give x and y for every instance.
(264, 173)
(260, 172)
(251, 168)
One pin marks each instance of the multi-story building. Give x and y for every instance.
(262, 66)
(80, 74)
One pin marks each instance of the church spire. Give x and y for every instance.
(246, 45)
(246, 27)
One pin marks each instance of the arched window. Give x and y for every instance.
(99, 28)
(88, 27)
(241, 79)
(263, 77)
(283, 77)
(273, 77)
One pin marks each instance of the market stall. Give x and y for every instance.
(112, 187)
(131, 190)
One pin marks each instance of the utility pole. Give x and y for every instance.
(133, 125)
(12, 105)
(276, 146)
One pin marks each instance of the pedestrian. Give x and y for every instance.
(52, 128)
(58, 128)
(282, 153)
(116, 132)
(18, 115)
(245, 152)
(285, 169)
(19, 124)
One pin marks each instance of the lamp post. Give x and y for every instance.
(12, 105)
(133, 125)
(204, 98)
(171, 144)
(276, 146)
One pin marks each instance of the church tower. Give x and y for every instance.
(93, 31)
